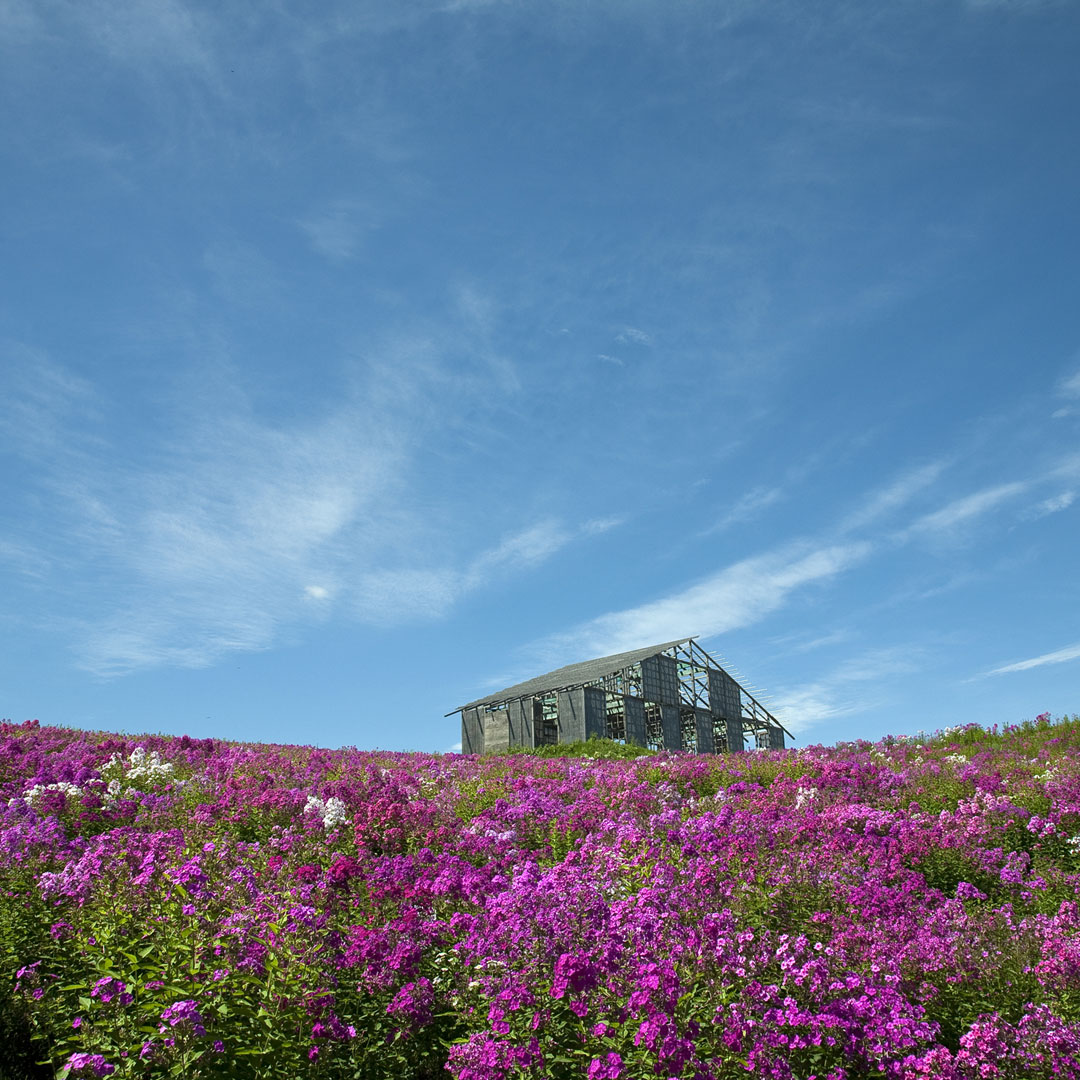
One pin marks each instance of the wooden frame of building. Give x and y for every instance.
(673, 696)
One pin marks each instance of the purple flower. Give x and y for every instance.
(108, 988)
(609, 1068)
(88, 1063)
(183, 1014)
(414, 1001)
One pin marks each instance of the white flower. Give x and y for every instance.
(332, 811)
(148, 766)
(334, 815)
(33, 795)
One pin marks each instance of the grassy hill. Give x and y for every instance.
(181, 907)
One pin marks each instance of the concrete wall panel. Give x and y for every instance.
(704, 723)
(734, 736)
(519, 715)
(496, 730)
(724, 697)
(635, 720)
(595, 713)
(660, 679)
(472, 736)
(669, 715)
(572, 715)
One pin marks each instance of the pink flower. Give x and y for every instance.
(609, 1068)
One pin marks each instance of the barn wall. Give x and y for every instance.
(497, 730)
(734, 735)
(595, 713)
(472, 735)
(703, 721)
(724, 694)
(635, 720)
(519, 714)
(660, 679)
(669, 716)
(572, 715)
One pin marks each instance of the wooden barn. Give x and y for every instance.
(673, 696)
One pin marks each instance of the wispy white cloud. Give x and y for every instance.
(215, 548)
(1061, 656)
(392, 597)
(156, 38)
(527, 548)
(1028, 6)
(19, 22)
(596, 526)
(801, 708)
(1052, 505)
(1069, 389)
(837, 637)
(1067, 467)
(802, 642)
(747, 507)
(736, 596)
(631, 335)
(241, 274)
(395, 596)
(231, 527)
(842, 691)
(338, 230)
(478, 311)
(878, 663)
(42, 400)
(1070, 385)
(967, 509)
(895, 495)
(23, 559)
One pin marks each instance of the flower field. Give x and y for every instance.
(904, 909)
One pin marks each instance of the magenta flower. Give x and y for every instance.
(87, 1064)
(608, 1068)
(183, 1014)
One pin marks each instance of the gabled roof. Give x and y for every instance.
(572, 675)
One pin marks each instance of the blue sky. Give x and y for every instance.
(358, 359)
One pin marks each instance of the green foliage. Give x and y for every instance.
(18, 1051)
(975, 792)
(594, 749)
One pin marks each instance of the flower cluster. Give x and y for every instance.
(35, 796)
(183, 1013)
(88, 1065)
(905, 909)
(332, 811)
